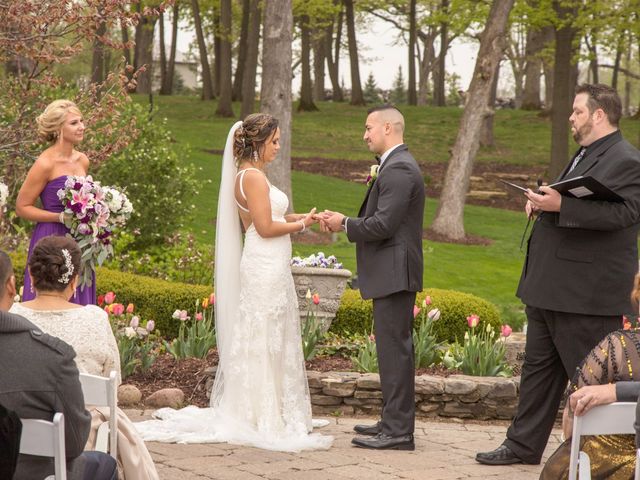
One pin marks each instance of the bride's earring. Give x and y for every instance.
(255, 156)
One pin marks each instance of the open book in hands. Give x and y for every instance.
(579, 187)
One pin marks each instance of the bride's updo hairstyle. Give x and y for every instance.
(51, 120)
(54, 262)
(250, 137)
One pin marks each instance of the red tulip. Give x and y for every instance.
(100, 300)
(316, 298)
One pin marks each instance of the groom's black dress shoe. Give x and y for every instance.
(385, 442)
(368, 429)
(502, 455)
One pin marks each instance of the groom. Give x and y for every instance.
(388, 237)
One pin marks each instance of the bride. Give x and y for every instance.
(260, 395)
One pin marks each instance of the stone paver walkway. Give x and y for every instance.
(444, 451)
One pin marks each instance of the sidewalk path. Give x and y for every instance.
(444, 451)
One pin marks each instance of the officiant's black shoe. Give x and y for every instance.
(502, 455)
(385, 442)
(368, 429)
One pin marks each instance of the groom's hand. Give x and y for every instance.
(333, 220)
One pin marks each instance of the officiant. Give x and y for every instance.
(579, 267)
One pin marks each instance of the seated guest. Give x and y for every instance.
(54, 265)
(604, 377)
(39, 378)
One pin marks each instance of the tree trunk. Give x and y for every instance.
(143, 57)
(592, 47)
(275, 94)
(333, 59)
(126, 51)
(98, 58)
(439, 73)
(225, 107)
(306, 88)
(217, 56)
(426, 65)
(531, 94)
(486, 134)
(167, 86)
(251, 63)
(563, 86)
(357, 97)
(627, 82)
(236, 91)
(412, 96)
(318, 65)
(449, 216)
(207, 83)
(163, 52)
(616, 66)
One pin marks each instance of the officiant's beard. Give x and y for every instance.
(580, 133)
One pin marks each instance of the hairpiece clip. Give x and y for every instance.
(68, 263)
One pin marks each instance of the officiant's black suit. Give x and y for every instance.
(388, 237)
(575, 283)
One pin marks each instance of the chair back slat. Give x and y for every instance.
(45, 439)
(103, 392)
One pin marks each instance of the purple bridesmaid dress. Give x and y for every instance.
(51, 203)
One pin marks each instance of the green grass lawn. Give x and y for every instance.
(336, 131)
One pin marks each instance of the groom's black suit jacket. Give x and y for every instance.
(388, 229)
(583, 259)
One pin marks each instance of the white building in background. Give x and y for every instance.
(185, 68)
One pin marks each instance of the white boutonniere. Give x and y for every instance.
(373, 174)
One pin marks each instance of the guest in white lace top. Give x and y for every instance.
(54, 266)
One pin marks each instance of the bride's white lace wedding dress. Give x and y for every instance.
(261, 396)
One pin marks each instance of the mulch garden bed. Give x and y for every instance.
(188, 374)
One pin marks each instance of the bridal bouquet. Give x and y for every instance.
(4, 194)
(92, 213)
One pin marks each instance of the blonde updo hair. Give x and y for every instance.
(51, 120)
(250, 137)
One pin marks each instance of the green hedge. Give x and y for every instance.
(154, 299)
(356, 315)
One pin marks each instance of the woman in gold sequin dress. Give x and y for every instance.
(609, 373)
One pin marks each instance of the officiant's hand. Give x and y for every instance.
(548, 200)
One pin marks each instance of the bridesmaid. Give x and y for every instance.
(62, 126)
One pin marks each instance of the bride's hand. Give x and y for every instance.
(310, 218)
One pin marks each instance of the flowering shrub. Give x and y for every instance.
(481, 353)
(316, 260)
(92, 213)
(196, 339)
(137, 344)
(425, 345)
(312, 331)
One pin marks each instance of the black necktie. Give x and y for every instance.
(378, 159)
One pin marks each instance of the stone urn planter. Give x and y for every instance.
(329, 283)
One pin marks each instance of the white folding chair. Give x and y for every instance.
(615, 418)
(102, 392)
(46, 439)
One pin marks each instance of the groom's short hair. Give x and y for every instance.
(394, 116)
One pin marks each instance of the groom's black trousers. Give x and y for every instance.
(393, 322)
(557, 342)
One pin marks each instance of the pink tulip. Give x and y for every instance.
(109, 297)
(212, 299)
(473, 320)
(130, 308)
(416, 311)
(372, 338)
(183, 316)
(505, 330)
(135, 321)
(427, 300)
(118, 309)
(316, 299)
(198, 316)
(150, 326)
